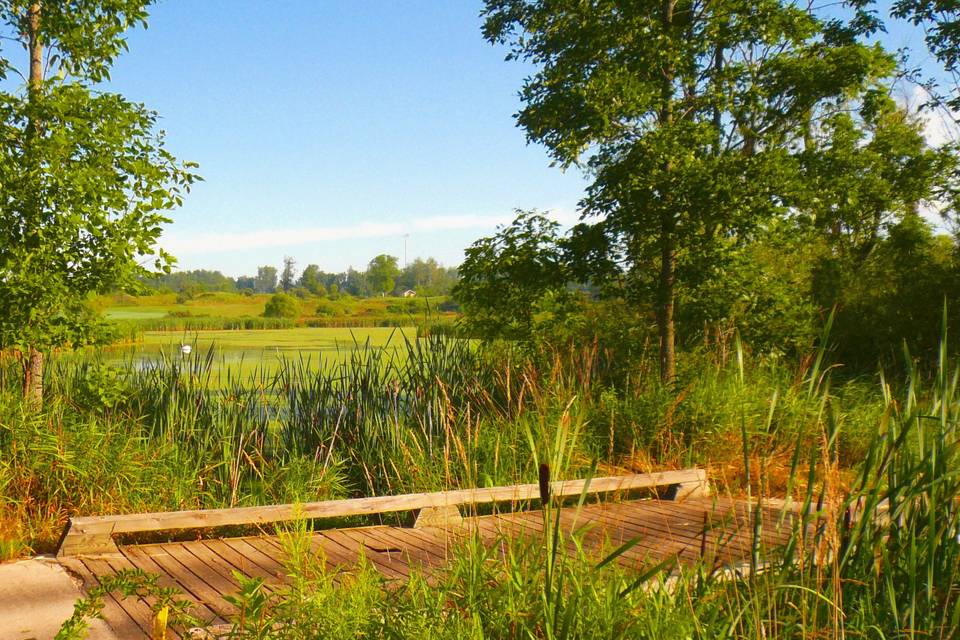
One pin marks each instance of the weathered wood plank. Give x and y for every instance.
(688, 531)
(213, 584)
(436, 545)
(140, 558)
(116, 617)
(652, 544)
(411, 554)
(141, 609)
(91, 534)
(242, 563)
(276, 569)
(391, 568)
(216, 563)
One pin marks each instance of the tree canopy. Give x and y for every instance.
(85, 177)
(382, 273)
(686, 114)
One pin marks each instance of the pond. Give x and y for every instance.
(245, 351)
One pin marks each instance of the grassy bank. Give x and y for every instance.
(873, 577)
(440, 414)
(420, 415)
(219, 310)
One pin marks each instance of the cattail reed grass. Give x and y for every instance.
(870, 465)
(874, 554)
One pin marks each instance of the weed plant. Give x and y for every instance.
(874, 475)
(439, 413)
(190, 432)
(880, 559)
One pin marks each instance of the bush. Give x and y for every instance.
(449, 305)
(282, 305)
(328, 310)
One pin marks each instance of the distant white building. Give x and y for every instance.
(409, 293)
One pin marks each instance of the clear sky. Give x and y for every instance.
(326, 130)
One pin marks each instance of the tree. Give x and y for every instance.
(419, 273)
(266, 281)
(381, 273)
(310, 280)
(427, 276)
(282, 305)
(502, 278)
(898, 294)
(940, 20)
(288, 276)
(864, 174)
(85, 178)
(685, 113)
(201, 279)
(355, 283)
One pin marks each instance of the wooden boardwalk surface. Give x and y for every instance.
(720, 530)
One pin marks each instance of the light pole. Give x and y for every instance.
(405, 236)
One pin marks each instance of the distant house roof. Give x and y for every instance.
(409, 293)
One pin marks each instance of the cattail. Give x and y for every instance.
(544, 484)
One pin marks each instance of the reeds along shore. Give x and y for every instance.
(185, 433)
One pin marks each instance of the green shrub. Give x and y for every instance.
(449, 305)
(328, 310)
(282, 305)
(101, 386)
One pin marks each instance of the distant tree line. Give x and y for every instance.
(382, 276)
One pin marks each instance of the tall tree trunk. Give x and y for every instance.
(668, 253)
(33, 377)
(33, 367)
(666, 295)
(36, 48)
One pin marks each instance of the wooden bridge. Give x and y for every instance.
(678, 519)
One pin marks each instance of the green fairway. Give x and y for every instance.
(243, 351)
(133, 314)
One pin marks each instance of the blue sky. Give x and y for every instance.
(328, 130)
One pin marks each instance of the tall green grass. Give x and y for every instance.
(876, 558)
(437, 413)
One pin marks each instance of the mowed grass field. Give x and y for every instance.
(224, 305)
(242, 352)
(235, 305)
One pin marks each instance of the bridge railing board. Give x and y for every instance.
(94, 534)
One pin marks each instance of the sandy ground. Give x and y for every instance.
(36, 596)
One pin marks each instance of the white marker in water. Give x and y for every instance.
(185, 349)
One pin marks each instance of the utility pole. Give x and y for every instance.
(405, 236)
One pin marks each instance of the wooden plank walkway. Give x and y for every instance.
(719, 530)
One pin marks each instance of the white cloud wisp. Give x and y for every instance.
(206, 243)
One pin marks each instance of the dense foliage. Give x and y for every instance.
(282, 305)
(85, 178)
(744, 179)
(688, 115)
